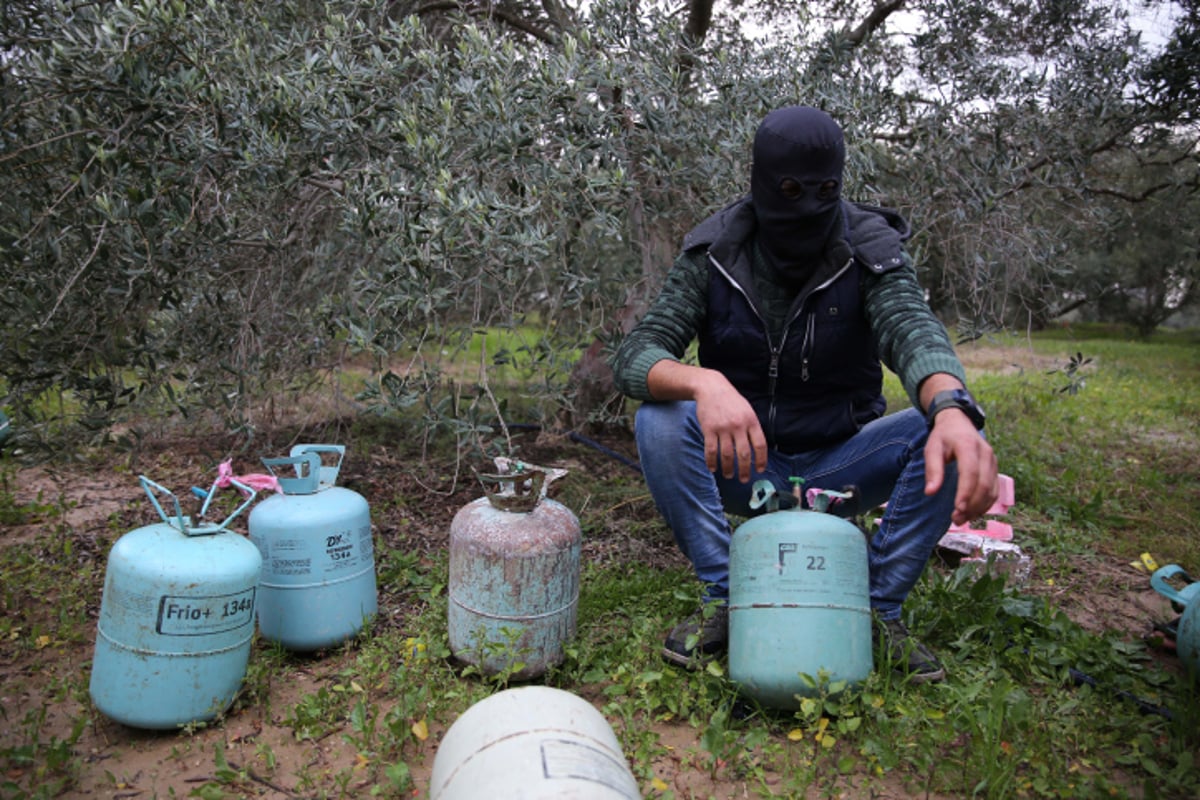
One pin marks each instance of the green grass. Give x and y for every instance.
(1102, 450)
(1107, 449)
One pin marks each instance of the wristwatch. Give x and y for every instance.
(956, 398)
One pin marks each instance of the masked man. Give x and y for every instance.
(796, 296)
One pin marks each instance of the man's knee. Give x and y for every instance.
(659, 425)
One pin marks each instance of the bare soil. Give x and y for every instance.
(411, 510)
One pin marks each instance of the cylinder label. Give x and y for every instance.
(341, 550)
(783, 572)
(335, 552)
(566, 759)
(816, 568)
(204, 615)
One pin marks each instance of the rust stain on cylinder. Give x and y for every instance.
(513, 585)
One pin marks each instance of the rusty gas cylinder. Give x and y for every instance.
(514, 574)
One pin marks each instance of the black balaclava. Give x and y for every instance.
(800, 149)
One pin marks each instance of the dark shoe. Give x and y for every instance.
(700, 638)
(905, 653)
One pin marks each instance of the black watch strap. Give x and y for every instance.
(956, 398)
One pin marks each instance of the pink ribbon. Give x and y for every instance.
(812, 494)
(256, 481)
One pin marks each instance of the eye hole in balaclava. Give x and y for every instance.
(793, 189)
(795, 184)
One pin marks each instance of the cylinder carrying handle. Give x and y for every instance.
(1182, 596)
(183, 523)
(308, 473)
(763, 493)
(516, 492)
(516, 486)
(312, 474)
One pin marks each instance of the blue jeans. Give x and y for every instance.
(885, 461)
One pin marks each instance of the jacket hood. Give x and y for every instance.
(876, 235)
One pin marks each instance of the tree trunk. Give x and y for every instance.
(594, 395)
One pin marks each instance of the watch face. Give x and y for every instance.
(974, 412)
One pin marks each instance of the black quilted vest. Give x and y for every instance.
(821, 381)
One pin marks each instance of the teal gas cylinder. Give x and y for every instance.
(1187, 633)
(535, 743)
(318, 581)
(514, 574)
(799, 601)
(176, 619)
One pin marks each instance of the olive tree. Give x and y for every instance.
(1143, 266)
(204, 198)
(1043, 100)
(170, 226)
(209, 201)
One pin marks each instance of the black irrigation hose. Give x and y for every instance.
(576, 437)
(1081, 678)
(1145, 706)
(581, 439)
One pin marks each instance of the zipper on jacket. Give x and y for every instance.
(810, 329)
(810, 325)
(776, 351)
(734, 283)
(773, 376)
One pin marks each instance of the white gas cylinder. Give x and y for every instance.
(532, 742)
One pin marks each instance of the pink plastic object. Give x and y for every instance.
(1006, 499)
(256, 481)
(995, 529)
(992, 528)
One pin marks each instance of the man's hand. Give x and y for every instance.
(954, 438)
(731, 430)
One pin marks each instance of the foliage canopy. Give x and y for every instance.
(205, 200)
